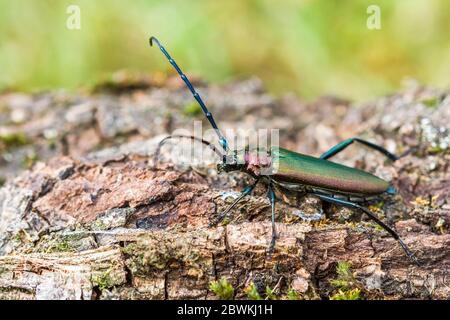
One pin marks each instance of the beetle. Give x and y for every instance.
(291, 171)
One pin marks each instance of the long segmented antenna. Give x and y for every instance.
(175, 136)
(223, 142)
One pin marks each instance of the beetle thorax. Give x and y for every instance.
(256, 161)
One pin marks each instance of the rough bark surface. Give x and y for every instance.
(94, 218)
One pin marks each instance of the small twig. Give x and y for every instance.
(274, 290)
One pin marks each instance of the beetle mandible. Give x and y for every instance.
(326, 180)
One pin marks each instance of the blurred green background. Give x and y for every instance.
(310, 47)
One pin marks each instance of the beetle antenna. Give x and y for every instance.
(207, 143)
(223, 142)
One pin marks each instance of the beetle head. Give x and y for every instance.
(232, 162)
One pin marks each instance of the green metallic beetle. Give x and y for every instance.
(288, 170)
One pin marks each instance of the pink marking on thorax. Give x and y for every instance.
(255, 161)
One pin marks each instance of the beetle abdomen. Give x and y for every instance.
(289, 166)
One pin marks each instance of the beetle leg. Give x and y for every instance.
(247, 190)
(271, 195)
(373, 217)
(344, 144)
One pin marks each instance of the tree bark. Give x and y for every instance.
(148, 237)
(95, 219)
